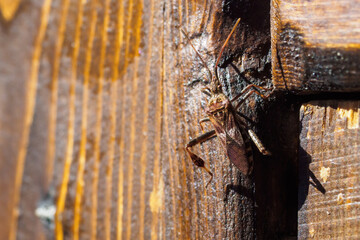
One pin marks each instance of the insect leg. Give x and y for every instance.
(258, 143)
(202, 121)
(254, 89)
(198, 161)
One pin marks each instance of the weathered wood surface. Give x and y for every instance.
(315, 45)
(20, 58)
(329, 171)
(99, 98)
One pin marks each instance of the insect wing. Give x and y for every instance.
(238, 155)
(232, 140)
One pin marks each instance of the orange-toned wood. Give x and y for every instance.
(329, 170)
(99, 99)
(315, 45)
(21, 59)
(8, 8)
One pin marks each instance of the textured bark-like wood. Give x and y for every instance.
(315, 45)
(329, 170)
(100, 99)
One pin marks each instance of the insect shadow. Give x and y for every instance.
(233, 132)
(306, 178)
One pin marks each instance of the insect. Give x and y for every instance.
(232, 131)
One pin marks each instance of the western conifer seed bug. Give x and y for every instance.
(233, 132)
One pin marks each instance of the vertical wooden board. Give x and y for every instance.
(21, 40)
(135, 83)
(74, 152)
(105, 124)
(68, 117)
(119, 96)
(276, 176)
(315, 45)
(83, 198)
(226, 208)
(329, 170)
(35, 201)
(96, 124)
(151, 166)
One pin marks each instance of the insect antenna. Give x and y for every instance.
(217, 83)
(207, 68)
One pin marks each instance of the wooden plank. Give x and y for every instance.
(315, 45)
(191, 210)
(18, 95)
(118, 97)
(329, 170)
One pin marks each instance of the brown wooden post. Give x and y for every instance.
(315, 45)
(98, 101)
(315, 52)
(329, 170)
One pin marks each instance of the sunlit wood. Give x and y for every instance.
(99, 99)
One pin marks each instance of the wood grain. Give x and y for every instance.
(9, 8)
(315, 45)
(329, 170)
(114, 95)
(19, 88)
